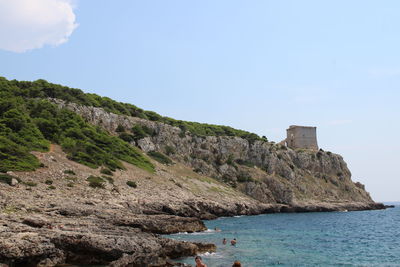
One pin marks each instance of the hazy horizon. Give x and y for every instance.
(259, 66)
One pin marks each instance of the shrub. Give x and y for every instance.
(131, 184)
(106, 171)
(49, 182)
(229, 161)
(28, 122)
(52, 187)
(138, 132)
(109, 179)
(149, 131)
(120, 129)
(95, 181)
(197, 170)
(70, 184)
(126, 137)
(69, 172)
(169, 150)
(5, 178)
(160, 157)
(29, 183)
(244, 177)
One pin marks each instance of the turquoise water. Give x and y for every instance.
(361, 238)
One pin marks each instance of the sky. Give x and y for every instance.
(255, 65)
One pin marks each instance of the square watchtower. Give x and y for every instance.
(302, 137)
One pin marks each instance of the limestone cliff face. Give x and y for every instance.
(265, 171)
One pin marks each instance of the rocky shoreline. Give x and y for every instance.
(54, 215)
(71, 222)
(89, 233)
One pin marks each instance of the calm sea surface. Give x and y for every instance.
(361, 238)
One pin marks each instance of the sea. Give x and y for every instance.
(357, 238)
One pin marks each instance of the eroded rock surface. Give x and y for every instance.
(70, 222)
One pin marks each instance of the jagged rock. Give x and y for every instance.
(83, 225)
(209, 156)
(146, 144)
(259, 191)
(29, 248)
(162, 224)
(36, 222)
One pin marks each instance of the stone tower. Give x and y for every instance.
(302, 137)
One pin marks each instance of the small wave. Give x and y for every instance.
(182, 233)
(211, 255)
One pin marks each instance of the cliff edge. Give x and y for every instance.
(87, 180)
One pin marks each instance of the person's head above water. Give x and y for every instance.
(237, 264)
(199, 262)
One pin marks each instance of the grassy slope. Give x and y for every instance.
(43, 89)
(28, 123)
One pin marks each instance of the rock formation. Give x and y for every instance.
(52, 215)
(265, 171)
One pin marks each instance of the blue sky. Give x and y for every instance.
(255, 65)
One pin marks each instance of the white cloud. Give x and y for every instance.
(31, 24)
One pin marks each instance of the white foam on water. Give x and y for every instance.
(182, 233)
(211, 255)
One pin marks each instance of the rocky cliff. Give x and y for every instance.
(265, 171)
(66, 212)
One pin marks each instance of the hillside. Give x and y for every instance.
(100, 179)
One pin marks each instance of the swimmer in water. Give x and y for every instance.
(199, 262)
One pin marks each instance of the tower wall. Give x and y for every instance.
(302, 137)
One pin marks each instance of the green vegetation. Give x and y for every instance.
(29, 183)
(126, 137)
(49, 182)
(169, 150)
(141, 131)
(70, 178)
(69, 172)
(95, 181)
(30, 124)
(120, 129)
(244, 177)
(229, 161)
(244, 163)
(109, 179)
(160, 157)
(106, 171)
(44, 89)
(131, 184)
(6, 179)
(51, 187)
